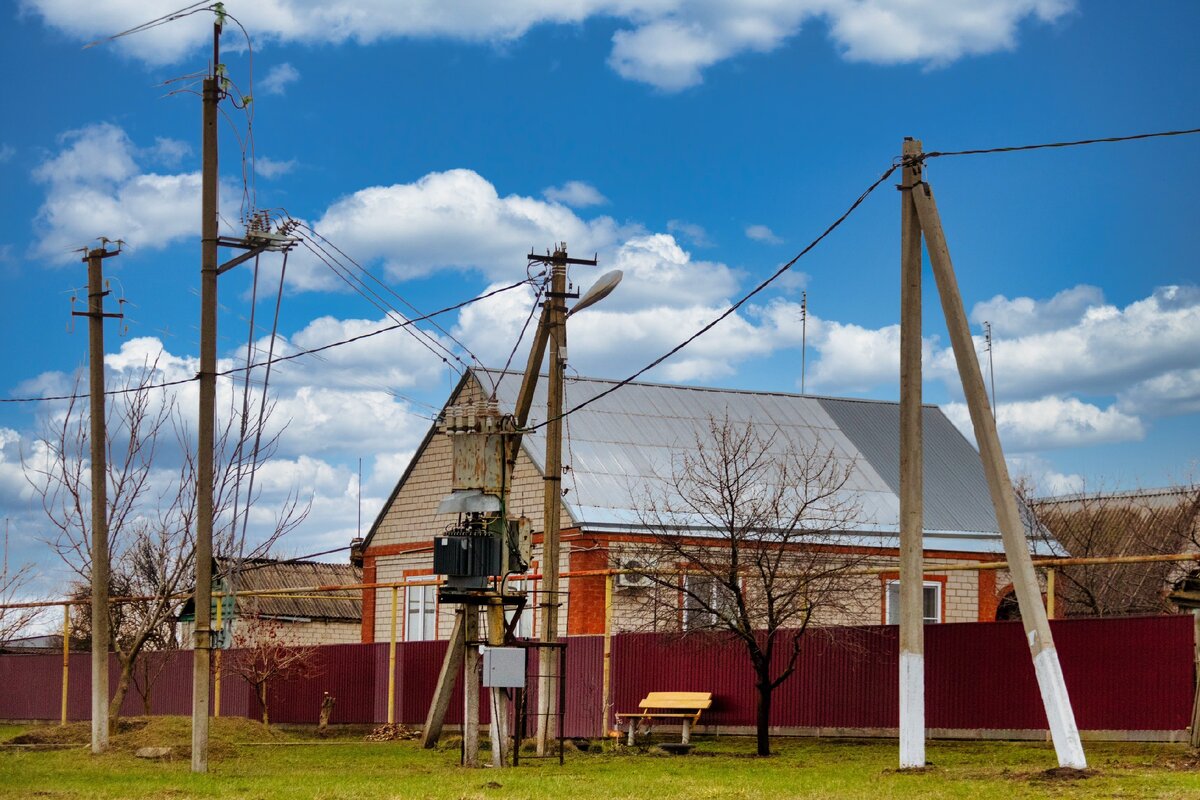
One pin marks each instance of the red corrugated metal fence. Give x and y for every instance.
(1132, 674)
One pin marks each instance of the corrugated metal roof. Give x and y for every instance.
(626, 443)
(259, 574)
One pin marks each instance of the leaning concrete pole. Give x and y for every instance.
(912, 613)
(1033, 614)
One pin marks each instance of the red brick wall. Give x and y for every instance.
(585, 608)
(368, 602)
(989, 601)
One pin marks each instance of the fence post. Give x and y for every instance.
(391, 715)
(606, 673)
(1050, 593)
(66, 634)
(217, 660)
(1195, 732)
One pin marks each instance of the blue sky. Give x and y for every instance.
(695, 145)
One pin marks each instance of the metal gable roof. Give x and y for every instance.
(625, 444)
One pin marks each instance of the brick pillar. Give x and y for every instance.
(368, 600)
(585, 609)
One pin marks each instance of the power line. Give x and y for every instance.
(1046, 145)
(277, 359)
(729, 311)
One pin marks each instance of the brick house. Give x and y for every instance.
(627, 440)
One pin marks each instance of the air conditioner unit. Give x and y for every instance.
(634, 579)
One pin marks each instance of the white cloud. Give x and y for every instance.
(761, 233)
(94, 187)
(272, 168)
(1170, 394)
(933, 32)
(448, 220)
(1105, 350)
(693, 234)
(168, 152)
(1040, 474)
(665, 43)
(278, 78)
(576, 194)
(7, 151)
(1052, 422)
(1024, 315)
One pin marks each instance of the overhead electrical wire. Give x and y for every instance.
(897, 163)
(734, 307)
(1047, 145)
(429, 343)
(278, 359)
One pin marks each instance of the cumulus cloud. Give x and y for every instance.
(1095, 348)
(95, 187)
(761, 233)
(278, 78)
(1040, 474)
(448, 220)
(576, 194)
(1022, 316)
(690, 232)
(1170, 394)
(273, 168)
(665, 43)
(324, 416)
(1052, 422)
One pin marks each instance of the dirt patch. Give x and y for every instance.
(225, 735)
(1065, 774)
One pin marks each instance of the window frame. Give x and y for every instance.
(939, 587)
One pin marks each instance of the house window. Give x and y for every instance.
(420, 619)
(932, 597)
(702, 598)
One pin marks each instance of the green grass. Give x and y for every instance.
(292, 765)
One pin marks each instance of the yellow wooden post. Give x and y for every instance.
(606, 680)
(1050, 593)
(66, 657)
(217, 662)
(391, 715)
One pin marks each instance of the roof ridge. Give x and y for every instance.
(715, 389)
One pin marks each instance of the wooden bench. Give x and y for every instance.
(683, 706)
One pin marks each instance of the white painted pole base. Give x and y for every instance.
(912, 710)
(1067, 744)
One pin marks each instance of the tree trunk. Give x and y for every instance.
(261, 691)
(763, 720)
(118, 698)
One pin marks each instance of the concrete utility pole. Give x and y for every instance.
(912, 525)
(548, 660)
(1063, 729)
(205, 425)
(100, 558)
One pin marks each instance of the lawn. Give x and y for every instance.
(250, 763)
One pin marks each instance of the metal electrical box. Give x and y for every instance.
(504, 667)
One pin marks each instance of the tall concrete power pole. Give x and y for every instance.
(912, 525)
(205, 425)
(99, 439)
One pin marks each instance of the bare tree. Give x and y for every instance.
(758, 526)
(265, 652)
(1092, 524)
(151, 511)
(14, 581)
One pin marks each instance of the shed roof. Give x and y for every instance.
(265, 573)
(627, 440)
